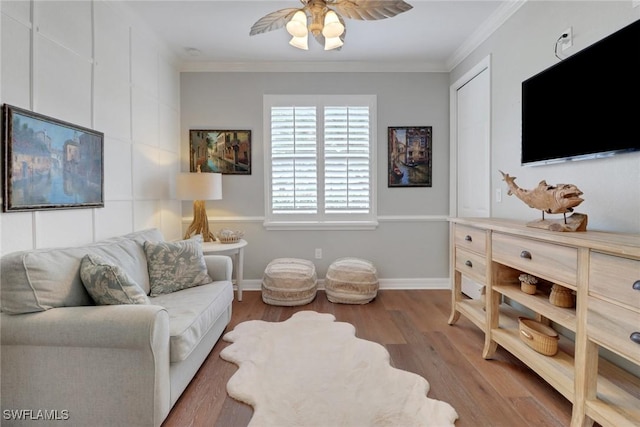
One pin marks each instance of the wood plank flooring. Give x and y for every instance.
(412, 325)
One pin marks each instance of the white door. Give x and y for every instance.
(472, 143)
(470, 152)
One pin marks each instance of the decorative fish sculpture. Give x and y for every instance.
(553, 199)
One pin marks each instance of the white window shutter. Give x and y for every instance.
(346, 162)
(294, 182)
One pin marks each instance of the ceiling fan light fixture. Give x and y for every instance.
(297, 25)
(300, 42)
(332, 43)
(324, 19)
(332, 25)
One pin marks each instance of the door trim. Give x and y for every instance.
(484, 64)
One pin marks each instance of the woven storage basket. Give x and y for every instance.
(228, 236)
(561, 297)
(538, 336)
(528, 288)
(227, 240)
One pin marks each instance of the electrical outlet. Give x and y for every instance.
(567, 42)
(318, 253)
(498, 195)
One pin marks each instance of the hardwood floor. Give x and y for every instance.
(412, 325)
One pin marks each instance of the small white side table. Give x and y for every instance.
(236, 251)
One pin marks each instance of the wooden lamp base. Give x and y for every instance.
(200, 224)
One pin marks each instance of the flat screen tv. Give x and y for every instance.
(586, 106)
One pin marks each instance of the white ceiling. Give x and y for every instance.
(434, 35)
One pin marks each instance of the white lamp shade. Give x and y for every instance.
(199, 186)
(332, 43)
(300, 42)
(297, 25)
(332, 25)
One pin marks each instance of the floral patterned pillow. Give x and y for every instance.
(108, 284)
(174, 266)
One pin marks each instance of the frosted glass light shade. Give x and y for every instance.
(300, 42)
(332, 25)
(199, 186)
(332, 43)
(297, 25)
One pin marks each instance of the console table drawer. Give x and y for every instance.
(471, 265)
(470, 238)
(552, 262)
(612, 326)
(615, 278)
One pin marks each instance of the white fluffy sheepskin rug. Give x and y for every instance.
(312, 371)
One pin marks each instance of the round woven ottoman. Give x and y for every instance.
(351, 281)
(289, 281)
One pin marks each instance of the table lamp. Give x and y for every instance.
(199, 186)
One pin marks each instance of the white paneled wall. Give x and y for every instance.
(93, 63)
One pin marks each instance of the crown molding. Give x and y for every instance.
(310, 66)
(484, 31)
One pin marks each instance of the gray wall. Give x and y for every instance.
(522, 47)
(410, 245)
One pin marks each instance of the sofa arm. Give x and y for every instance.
(220, 267)
(88, 363)
(107, 326)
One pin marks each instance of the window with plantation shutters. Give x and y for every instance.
(319, 161)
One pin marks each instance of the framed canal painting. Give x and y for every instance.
(49, 163)
(410, 149)
(221, 151)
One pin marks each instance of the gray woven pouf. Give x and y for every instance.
(289, 281)
(351, 281)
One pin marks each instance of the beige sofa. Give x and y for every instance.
(64, 358)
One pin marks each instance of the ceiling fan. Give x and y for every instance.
(324, 19)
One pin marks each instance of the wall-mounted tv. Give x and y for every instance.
(586, 106)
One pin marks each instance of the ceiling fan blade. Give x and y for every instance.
(370, 10)
(272, 21)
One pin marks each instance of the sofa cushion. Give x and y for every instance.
(108, 284)
(40, 279)
(192, 312)
(174, 266)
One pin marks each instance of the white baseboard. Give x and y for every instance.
(426, 283)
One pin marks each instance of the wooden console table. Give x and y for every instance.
(604, 271)
(236, 251)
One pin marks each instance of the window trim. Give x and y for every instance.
(321, 221)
